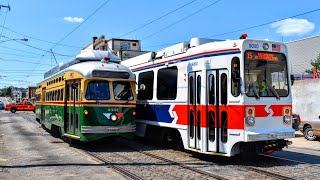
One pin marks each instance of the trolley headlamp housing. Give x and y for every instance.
(286, 112)
(250, 116)
(113, 117)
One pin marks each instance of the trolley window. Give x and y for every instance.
(235, 76)
(198, 89)
(191, 92)
(211, 84)
(224, 86)
(146, 78)
(167, 83)
(212, 131)
(98, 90)
(266, 74)
(122, 91)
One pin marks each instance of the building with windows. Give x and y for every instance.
(301, 53)
(18, 94)
(123, 48)
(31, 93)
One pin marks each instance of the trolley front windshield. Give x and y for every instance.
(98, 90)
(266, 74)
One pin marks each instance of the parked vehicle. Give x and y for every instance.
(295, 121)
(24, 106)
(1, 105)
(310, 128)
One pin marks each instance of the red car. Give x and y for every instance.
(24, 106)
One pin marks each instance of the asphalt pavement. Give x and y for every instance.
(300, 142)
(29, 152)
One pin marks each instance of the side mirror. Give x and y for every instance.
(292, 79)
(142, 87)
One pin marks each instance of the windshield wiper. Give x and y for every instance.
(274, 92)
(123, 95)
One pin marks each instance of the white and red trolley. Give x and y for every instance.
(203, 93)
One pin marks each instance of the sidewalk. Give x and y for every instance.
(300, 142)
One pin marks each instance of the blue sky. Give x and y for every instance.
(22, 65)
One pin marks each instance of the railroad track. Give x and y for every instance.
(178, 164)
(119, 169)
(257, 170)
(129, 174)
(270, 174)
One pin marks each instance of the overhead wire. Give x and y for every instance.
(176, 22)
(5, 19)
(55, 44)
(14, 49)
(18, 41)
(42, 40)
(167, 14)
(80, 24)
(18, 55)
(267, 23)
(15, 60)
(247, 28)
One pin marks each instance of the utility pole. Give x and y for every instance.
(3, 6)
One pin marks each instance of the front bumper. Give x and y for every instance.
(108, 129)
(251, 136)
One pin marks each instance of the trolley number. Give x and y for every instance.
(254, 46)
(112, 130)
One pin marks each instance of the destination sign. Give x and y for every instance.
(266, 56)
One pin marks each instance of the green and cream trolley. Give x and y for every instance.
(89, 98)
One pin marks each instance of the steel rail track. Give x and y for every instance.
(257, 170)
(271, 174)
(95, 155)
(115, 167)
(179, 164)
(135, 177)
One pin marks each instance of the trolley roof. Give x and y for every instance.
(85, 63)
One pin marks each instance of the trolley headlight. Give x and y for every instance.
(286, 112)
(250, 115)
(250, 121)
(287, 119)
(113, 117)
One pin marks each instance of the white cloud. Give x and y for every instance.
(73, 19)
(293, 27)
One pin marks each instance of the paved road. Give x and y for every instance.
(28, 152)
(302, 150)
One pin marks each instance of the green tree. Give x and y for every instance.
(6, 91)
(315, 64)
